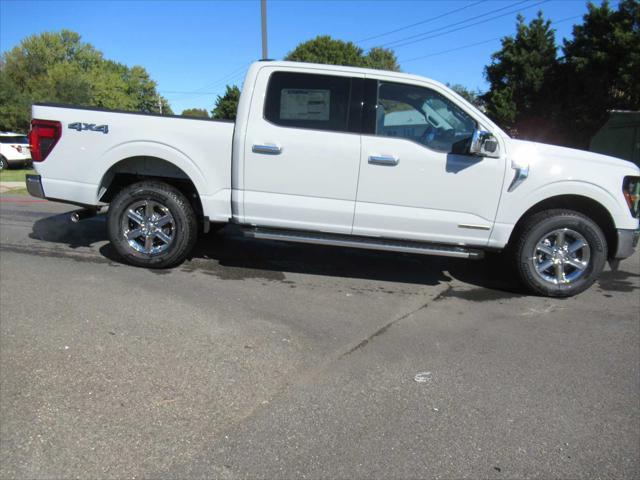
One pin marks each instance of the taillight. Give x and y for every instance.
(43, 137)
(631, 192)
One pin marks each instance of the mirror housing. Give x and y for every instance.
(484, 144)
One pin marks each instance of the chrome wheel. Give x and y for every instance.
(148, 227)
(561, 257)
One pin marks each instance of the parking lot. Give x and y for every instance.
(260, 359)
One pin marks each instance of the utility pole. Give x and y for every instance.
(160, 103)
(263, 14)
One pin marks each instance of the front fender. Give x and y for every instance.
(515, 204)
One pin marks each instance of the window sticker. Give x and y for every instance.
(305, 104)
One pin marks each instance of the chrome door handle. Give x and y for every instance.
(387, 160)
(270, 149)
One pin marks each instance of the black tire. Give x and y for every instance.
(182, 228)
(575, 227)
(4, 165)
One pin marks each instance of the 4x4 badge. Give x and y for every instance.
(88, 126)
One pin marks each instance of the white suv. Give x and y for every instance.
(14, 150)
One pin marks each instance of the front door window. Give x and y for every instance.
(424, 116)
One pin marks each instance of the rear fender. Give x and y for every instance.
(158, 150)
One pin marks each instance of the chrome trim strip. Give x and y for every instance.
(522, 173)
(474, 227)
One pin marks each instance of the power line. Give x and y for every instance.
(451, 12)
(428, 37)
(230, 78)
(462, 47)
(226, 77)
(438, 17)
(450, 50)
(402, 41)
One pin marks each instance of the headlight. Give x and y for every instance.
(631, 191)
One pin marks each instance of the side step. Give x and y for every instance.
(371, 243)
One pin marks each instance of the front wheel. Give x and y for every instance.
(559, 253)
(152, 224)
(4, 165)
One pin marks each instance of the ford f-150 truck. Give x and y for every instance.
(345, 157)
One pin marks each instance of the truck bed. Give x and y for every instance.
(95, 141)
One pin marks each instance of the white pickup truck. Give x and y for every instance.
(345, 157)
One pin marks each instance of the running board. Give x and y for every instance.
(371, 243)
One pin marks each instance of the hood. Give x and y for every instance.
(524, 148)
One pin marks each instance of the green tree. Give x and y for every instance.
(60, 67)
(29, 62)
(381, 59)
(142, 90)
(473, 97)
(520, 76)
(227, 105)
(324, 49)
(14, 105)
(195, 112)
(327, 50)
(601, 69)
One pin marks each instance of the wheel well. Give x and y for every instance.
(134, 169)
(585, 205)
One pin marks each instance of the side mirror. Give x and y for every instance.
(484, 144)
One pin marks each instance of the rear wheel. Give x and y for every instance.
(152, 224)
(3, 163)
(559, 253)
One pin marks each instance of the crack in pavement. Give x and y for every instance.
(383, 329)
(308, 375)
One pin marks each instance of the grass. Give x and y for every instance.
(18, 191)
(14, 175)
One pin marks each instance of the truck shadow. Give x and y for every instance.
(229, 254)
(60, 229)
(232, 249)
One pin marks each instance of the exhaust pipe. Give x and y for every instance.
(83, 214)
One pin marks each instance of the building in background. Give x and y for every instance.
(619, 137)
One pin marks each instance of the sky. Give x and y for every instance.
(192, 49)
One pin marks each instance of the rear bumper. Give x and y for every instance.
(35, 189)
(627, 243)
(34, 186)
(19, 162)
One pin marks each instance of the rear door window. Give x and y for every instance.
(302, 100)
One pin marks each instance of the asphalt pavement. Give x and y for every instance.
(260, 359)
